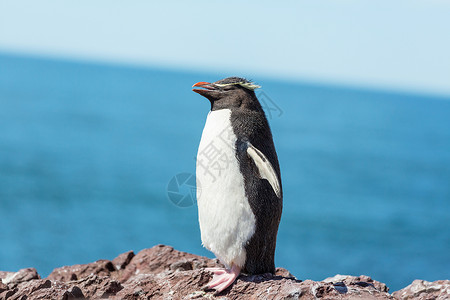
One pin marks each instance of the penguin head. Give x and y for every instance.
(228, 93)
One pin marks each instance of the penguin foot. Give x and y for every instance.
(222, 278)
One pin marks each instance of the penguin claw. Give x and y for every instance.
(222, 278)
(225, 284)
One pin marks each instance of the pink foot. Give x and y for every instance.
(222, 278)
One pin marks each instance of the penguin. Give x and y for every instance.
(239, 192)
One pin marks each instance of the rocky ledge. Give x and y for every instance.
(164, 273)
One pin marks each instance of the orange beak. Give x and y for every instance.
(207, 90)
(205, 85)
(200, 84)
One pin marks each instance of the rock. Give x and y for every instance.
(284, 273)
(361, 281)
(121, 261)
(14, 278)
(75, 272)
(425, 290)
(3, 287)
(164, 273)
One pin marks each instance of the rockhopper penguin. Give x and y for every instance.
(239, 191)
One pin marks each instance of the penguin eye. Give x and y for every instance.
(229, 87)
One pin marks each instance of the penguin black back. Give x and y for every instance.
(267, 207)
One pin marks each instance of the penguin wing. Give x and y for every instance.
(265, 168)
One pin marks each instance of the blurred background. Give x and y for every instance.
(99, 128)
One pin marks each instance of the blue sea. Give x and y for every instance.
(90, 153)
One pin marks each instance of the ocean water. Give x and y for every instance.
(89, 151)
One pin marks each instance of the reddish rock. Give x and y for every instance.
(33, 287)
(75, 272)
(12, 279)
(3, 287)
(360, 281)
(283, 273)
(164, 273)
(425, 290)
(121, 261)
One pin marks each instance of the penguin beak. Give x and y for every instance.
(202, 84)
(208, 90)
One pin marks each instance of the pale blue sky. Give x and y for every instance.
(401, 45)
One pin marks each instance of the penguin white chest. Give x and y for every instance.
(226, 219)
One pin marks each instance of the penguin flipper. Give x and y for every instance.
(265, 168)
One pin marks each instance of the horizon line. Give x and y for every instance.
(302, 80)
